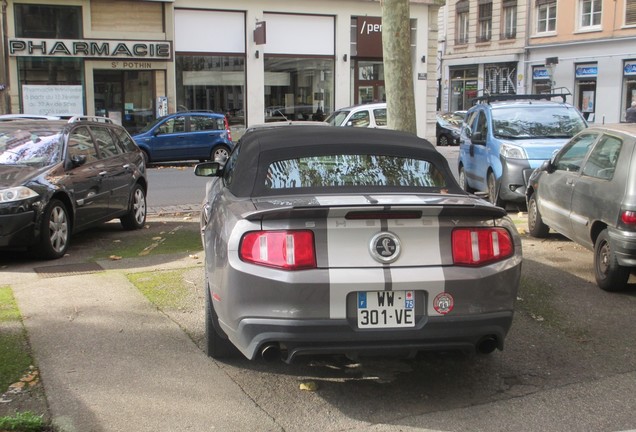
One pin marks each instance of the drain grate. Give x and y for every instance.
(67, 270)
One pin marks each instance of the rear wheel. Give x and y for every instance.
(136, 216)
(55, 232)
(493, 190)
(610, 276)
(536, 227)
(220, 153)
(216, 346)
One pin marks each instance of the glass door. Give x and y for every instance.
(126, 97)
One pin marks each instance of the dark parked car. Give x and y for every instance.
(58, 177)
(448, 127)
(351, 241)
(191, 135)
(587, 192)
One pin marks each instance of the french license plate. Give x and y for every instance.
(386, 309)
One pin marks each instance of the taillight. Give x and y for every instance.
(481, 246)
(628, 217)
(288, 250)
(227, 128)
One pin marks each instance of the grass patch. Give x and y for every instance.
(165, 289)
(15, 357)
(538, 300)
(175, 240)
(23, 422)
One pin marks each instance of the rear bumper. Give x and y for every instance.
(624, 247)
(314, 337)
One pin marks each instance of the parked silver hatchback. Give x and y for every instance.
(587, 192)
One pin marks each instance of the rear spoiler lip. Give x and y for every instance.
(485, 210)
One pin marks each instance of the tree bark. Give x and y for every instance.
(398, 69)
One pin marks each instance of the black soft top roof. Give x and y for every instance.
(260, 148)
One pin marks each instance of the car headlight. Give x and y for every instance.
(16, 194)
(510, 151)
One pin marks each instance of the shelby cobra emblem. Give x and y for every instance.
(385, 247)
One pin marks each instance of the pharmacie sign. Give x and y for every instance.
(88, 48)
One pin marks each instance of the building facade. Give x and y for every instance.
(586, 48)
(482, 49)
(133, 60)
(589, 48)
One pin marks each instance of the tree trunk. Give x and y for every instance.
(398, 69)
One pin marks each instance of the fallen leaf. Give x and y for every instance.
(309, 386)
(194, 256)
(115, 257)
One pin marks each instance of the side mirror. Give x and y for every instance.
(208, 169)
(547, 166)
(78, 160)
(477, 137)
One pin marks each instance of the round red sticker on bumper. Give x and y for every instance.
(443, 303)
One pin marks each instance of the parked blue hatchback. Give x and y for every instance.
(192, 135)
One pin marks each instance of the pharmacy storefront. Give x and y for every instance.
(56, 70)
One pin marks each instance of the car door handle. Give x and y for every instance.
(126, 167)
(103, 173)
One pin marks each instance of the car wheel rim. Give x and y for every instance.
(443, 141)
(220, 153)
(139, 206)
(604, 259)
(462, 179)
(58, 229)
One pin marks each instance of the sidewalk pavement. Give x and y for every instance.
(110, 361)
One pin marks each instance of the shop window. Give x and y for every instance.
(509, 16)
(485, 21)
(590, 13)
(48, 22)
(212, 83)
(299, 88)
(546, 16)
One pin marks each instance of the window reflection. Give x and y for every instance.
(353, 170)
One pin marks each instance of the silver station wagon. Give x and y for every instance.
(587, 192)
(351, 242)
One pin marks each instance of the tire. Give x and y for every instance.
(136, 216)
(216, 346)
(443, 141)
(220, 153)
(536, 227)
(493, 191)
(463, 183)
(146, 157)
(609, 275)
(55, 233)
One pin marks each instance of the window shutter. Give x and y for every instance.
(630, 12)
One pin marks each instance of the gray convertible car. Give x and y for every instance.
(354, 242)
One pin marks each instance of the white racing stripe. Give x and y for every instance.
(352, 267)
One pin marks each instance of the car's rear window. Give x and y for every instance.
(353, 170)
